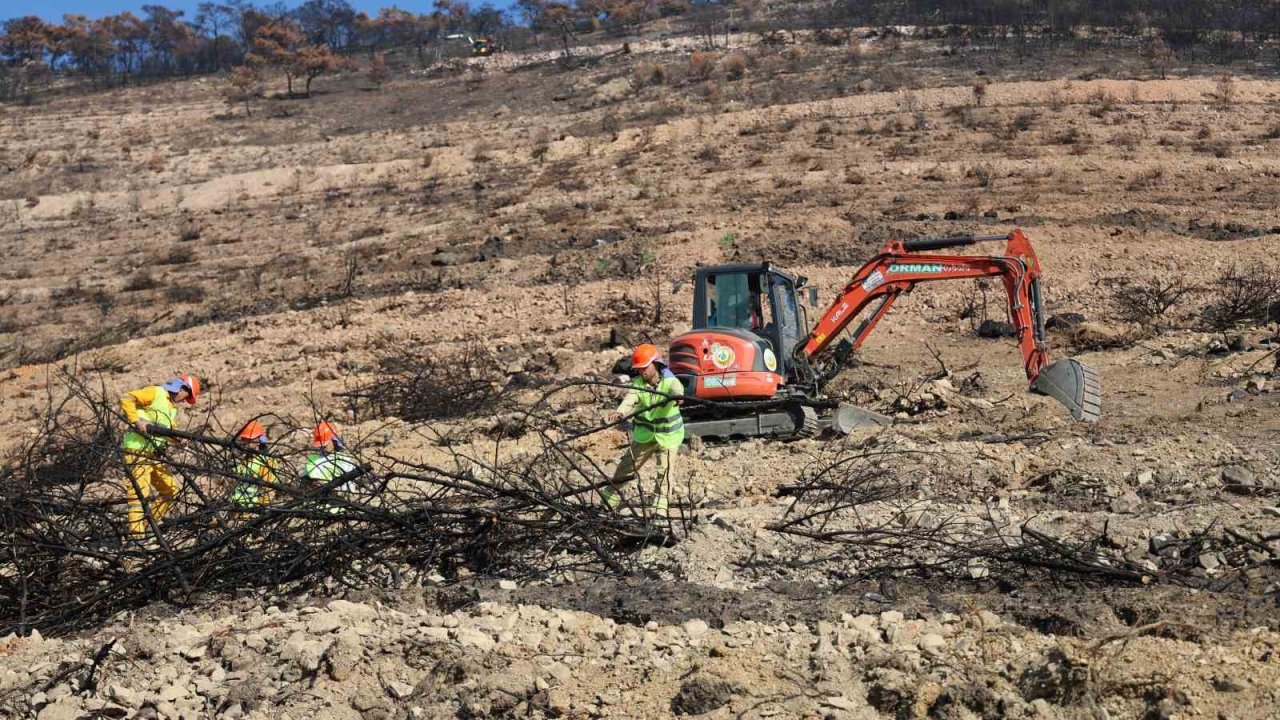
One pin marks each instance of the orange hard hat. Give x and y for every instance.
(253, 431)
(193, 385)
(324, 433)
(644, 356)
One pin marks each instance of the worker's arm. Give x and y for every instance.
(625, 407)
(129, 403)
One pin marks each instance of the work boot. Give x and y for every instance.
(612, 498)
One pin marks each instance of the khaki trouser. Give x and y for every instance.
(150, 477)
(633, 460)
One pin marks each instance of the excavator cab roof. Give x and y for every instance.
(765, 267)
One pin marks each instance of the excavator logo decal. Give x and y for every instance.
(722, 356)
(903, 268)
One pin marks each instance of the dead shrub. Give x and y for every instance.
(735, 66)
(708, 154)
(902, 149)
(982, 174)
(141, 281)
(1219, 147)
(1126, 141)
(1244, 296)
(69, 295)
(188, 231)
(1056, 100)
(416, 386)
(893, 77)
(650, 74)
(1223, 94)
(191, 294)
(178, 255)
(1147, 301)
(702, 64)
(1071, 136)
(1147, 179)
(1102, 103)
(1024, 120)
(711, 91)
(980, 92)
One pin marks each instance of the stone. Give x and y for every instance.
(449, 257)
(701, 694)
(303, 650)
(994, 329)
(890, 617)
(347, 652)
(558, 702)
(695, 628)
(400, 690)
(475, 638)
(932, 644)
(1239, 479)
(1272, 511)
(613, 90)
(1126, 504)
(194, 652)
(65, 709)
(1209, 561)
(1160, 542)
(124, 696)
(508, 585)
(840, 702)
(325, 623)
(437, 634)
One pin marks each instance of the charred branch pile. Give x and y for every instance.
(69, 560)
(416, 386)
(862, 502)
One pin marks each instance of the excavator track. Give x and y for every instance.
(792, 421)
(806, 419)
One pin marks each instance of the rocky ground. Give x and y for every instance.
(551, 215)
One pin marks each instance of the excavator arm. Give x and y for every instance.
(900, 266)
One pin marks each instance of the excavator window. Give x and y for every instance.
(788, 316)
(733, 301)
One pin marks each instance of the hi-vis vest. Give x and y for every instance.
(661, 421)
(324, 468)
(161, 412)
(257, 468)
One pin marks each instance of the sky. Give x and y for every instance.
(53, 10)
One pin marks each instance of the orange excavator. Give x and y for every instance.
(752, 353)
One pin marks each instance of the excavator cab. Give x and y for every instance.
(746, 322)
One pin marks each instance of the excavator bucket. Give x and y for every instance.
(848, 417)
(1073, 384)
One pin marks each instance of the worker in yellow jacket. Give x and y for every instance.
(658, 428)
(149, 480)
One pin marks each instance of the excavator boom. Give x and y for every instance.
(900, 266)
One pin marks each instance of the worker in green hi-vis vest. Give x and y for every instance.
(657, 432)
